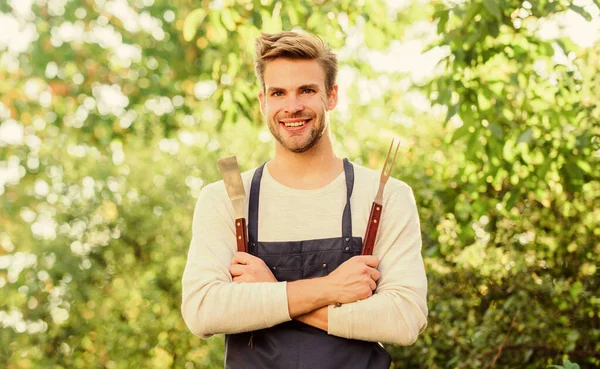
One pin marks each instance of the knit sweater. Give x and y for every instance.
(396, 313)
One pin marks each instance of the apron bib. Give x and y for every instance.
(295, 345)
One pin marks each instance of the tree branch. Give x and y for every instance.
(505, 340)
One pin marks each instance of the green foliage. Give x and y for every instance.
(566, 365)
(519, 227)
(124, 114)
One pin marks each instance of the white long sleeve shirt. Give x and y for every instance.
(396, 313)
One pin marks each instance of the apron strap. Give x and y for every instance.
(253, 205)
(253, 209)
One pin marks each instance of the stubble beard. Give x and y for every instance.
(314, 135)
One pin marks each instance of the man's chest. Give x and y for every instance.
(291, 218)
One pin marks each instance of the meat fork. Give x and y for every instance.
(377, 207)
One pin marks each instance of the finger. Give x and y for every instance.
(241, 258)
(374, 274)
(245, 258)
(236, 270)
(242, 279)
(364, 259)
(370, 260)
(372, 284)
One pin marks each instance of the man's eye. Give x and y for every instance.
(277, 93)
(308, 91)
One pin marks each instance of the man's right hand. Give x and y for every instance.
(352, 281)
(355, 279)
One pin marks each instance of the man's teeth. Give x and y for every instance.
(295, 124)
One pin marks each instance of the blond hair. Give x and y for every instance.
(292, 45)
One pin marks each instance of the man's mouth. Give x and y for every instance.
(295, 123)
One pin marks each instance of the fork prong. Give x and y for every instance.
(387, 158)
(394, 158)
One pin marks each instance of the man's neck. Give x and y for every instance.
(308, 170)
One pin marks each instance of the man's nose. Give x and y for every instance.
(293, 104)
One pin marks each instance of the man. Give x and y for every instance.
(303, 297)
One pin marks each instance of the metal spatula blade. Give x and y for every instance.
(232, 178)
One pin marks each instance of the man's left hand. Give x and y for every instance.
(249, 268)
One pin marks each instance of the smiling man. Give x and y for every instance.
(303, 297)
(296, 114)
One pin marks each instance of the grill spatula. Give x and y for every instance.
(232, 178)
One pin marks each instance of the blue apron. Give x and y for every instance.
(295, 345)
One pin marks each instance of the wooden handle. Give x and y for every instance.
(372, 227)
(241, 234)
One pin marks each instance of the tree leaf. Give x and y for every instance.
(493, 29)
(271, 23)
(493, 8)
(192, 22)
(497, 131)
(219, 32)
(569, 365)
(451, 112)
(374, 37)
(460, 133)
(444, 15)
(525, 136)
(585, 166)
(581, 11)
(574, 172)
(513, 197)
(292, 14)
(228, 19)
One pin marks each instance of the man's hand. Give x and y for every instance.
(355, 279)
(249, 268)
(352, 281)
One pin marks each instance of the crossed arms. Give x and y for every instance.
(225, 292)
(308, 299)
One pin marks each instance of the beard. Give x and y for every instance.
(308, 139)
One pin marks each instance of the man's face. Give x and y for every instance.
(295, 102)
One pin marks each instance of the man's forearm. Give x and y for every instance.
(226, 307)
(317, 318)
(240, 307)
(307, 295)
(308, 302)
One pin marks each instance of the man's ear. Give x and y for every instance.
(261, 98)
(332, 99)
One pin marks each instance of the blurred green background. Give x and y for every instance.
(113, 114)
